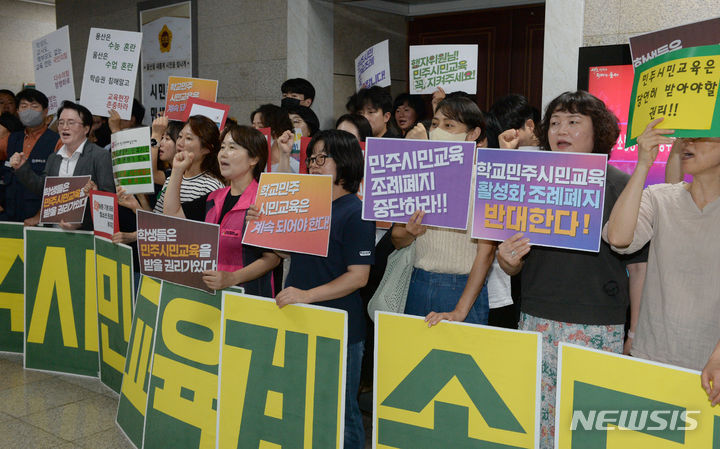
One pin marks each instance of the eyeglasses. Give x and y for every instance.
(69, 123)
(319, 160)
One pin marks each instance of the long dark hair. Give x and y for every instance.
(209, 135)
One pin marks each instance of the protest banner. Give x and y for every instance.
(111, 66)
(132, 160)
(610, 401)
(53, 68)
(181, 89)
(64, 199)
(452, 67)
(681, 87)
(295, 212)
(182, 397)
(175, 249)
(61, 320)
(12, 267)
(372, 67)
(114, 270)
(456, 385)
(555, 198)
(138, 362)
(104, 213)
(166, 51)
(217, 112)
(647, 46)
(282, 374)
(402, 176)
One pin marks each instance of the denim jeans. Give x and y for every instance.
(354, 430)
(440, 292)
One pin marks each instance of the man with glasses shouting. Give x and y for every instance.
(76, 157)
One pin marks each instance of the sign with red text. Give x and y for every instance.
(176, 249)
(556, 199)
(217, 112)
(111, 67)
(104, 213)
(181, 89)
(681, 87)
(53, 68)
(294, 213)
(64, 199)
(452, 67)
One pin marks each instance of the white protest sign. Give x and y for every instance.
(372, 67)
(111, 67)
(53, 68)
(166, 51)
(452, 67)
(131, 160)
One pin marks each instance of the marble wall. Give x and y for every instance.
(20, 24)
(356, 29)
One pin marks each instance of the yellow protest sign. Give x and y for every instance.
(680, 86)
(454, 385)
(282, 376)
(609, 401)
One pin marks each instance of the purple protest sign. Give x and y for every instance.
(556, 199)
(402, 176)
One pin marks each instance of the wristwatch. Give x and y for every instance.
(153, 142)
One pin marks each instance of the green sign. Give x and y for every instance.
(11, 287)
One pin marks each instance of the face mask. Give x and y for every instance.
(31, 118)
(289, 103)
(441, 134)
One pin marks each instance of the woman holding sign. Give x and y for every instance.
(334, 281)
(681, 301)
(575, 296)
(242, 157)
(448, 279)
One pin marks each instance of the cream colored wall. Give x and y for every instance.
(20, 24)
(610, 22)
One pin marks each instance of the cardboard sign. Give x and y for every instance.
(138, 362)
(114, 270)
(53, 68)
(132, 160)
(181, 401)
(166, 51)
(555, 198)
(682, 87)
(452, 67)
(181, 89)
(610, 401)
(104, 213)
(61, 318)
(645, 47)
(402, 176)
(217, 112)
(457, 385)
(12, 265)
(111, 66)
(176, 249)
(64, 199)
(372, 67)
(295, 212)
(282, 374)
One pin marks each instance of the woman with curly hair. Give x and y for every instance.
(575, 296)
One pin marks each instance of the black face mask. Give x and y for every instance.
(289, 103)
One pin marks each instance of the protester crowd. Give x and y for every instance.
(651, 291)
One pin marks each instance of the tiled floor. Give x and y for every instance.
(42, 411)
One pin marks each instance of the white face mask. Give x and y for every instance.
(441, 134)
